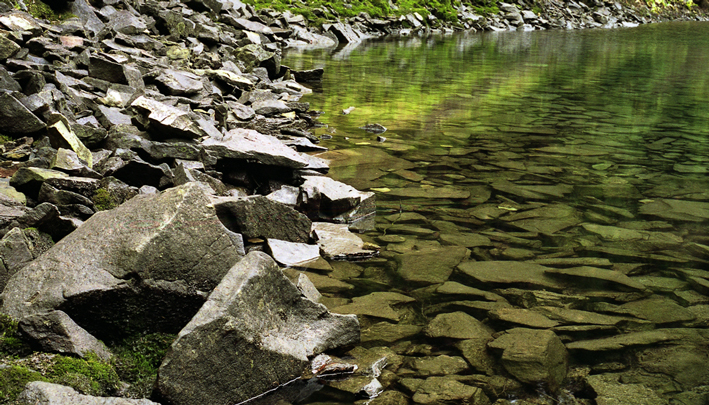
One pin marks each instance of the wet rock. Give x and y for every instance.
(469, 240)
(376, 304)
(634, 339)
(16, 119)
(522, 317)
(173, 243)
(576, 316)
(659, 310)
(457, 325)
(56, 332)
(598, 278)
(439, 365)
(437, 390)
(680, 210)
(44, 393)
(386, 333)
(430, 192)
(337, 242)
(533, 356)
(610, 390)
(344, 33)
(505, 273)
(476, 353)
(234, 333)
(247, 216)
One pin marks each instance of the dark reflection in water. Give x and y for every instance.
(549, 185)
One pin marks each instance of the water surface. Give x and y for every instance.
(578, 154)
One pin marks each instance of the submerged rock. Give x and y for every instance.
(256, 329)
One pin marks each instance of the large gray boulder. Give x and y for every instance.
(44, 393)
(255, 332)
(145, 265)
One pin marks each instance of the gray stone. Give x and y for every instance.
(16, 119)
(61, 136)
(89, 19)
(177, 82)
(431, 266)
(173, 243)
(55, 332)
(125, 22)
(337, 242)
(28, 180)
(332, 198)
(270, 107)
(254, 320)
(256, 56)
(344, 32)
(249, 144)
(8, 47)
(292, 254)
(15, 253)
(44, 393)
(457, 325)
(168, 121)
(111, 117)
(533, 356)
(247, 216)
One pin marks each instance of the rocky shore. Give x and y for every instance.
(155, 178)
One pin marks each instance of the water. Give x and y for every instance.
(572, 165)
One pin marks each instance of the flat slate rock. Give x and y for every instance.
(457, 325)
(376, 304)
(292, 254)
(430, 192)
(337, 242)
(680, 210)
(510, 272)
(385, 332)
(659, 310)
(522, 317)
(610, 390)
(431, 266)
(635, 339)
(594, 276)
(249, 144)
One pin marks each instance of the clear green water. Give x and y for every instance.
(563, 149)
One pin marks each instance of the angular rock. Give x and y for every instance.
(55, 332)
(457, 325)
(659, 310)
(7, 47)
(251, 217)
(180, 83)
(598, 278)
(533, 356)
(344, 33)
(249, 144)
(516, 273)
(386, 333)
(125, 22)
(680, 210)
(255, 323)
(610, 390)
(634, 339)
(439, 365)
(431, 266)
(168, 121)
(441, 390)
(28, 180)
(44, 393)
(332, 198)
(292, 254)
(16, 119)
(523, 317)
(61, 136)
(338, 243)
(170, 244)
(376, 304)
(89, 20)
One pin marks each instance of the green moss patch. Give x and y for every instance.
(138, 359)
(41, 10)
(103, 200)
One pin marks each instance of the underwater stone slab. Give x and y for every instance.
(385, 332)
(256, 329)
(431, 266)
(598, 277)
(533, 356)
(509, 272)
(610, 390)
(576, 316)
(376, 304)
(438, 390)
(457, 325)
(523, 317)
(634, 339)
(469, 240)
(439, 365)
(430, 192)
(681, 210)
(659, 310)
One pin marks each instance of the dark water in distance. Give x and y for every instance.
(581, 151)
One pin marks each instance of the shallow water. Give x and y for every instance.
(574, 161)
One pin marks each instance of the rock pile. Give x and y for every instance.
(157, 145)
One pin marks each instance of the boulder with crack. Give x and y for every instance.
(257, 329)
(146, 265)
